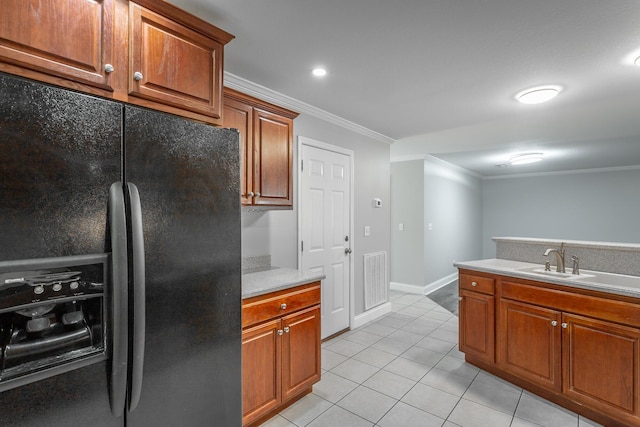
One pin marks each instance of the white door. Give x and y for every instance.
(325, 218)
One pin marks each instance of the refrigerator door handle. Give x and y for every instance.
(138, 273)
(119, 299)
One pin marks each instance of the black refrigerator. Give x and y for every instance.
(120, 281)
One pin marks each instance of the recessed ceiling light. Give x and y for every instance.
(524, 158)
(319, 72)
(538, 95)
(637, 61)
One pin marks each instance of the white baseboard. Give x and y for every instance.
(371, 315)
(426, 289)
(434, 286)
(405, 287)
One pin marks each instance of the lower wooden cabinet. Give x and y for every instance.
(261, 376)
(600, 364)
(280, 350)
(578, 348)
(529, 343)
(477, 316)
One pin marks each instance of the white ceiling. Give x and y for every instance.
(439, 76)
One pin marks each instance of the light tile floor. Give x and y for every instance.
(404, 370)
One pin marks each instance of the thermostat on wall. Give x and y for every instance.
(377, 203)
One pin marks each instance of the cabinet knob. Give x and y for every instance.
(564, 325)
(108, 68)
(459, 298)
(250, 194)
(474, 284)
(137, 76)
(283, 306)
(257, 194)
(280, 332)
(554, 323)
(347, 251)
(286, 329)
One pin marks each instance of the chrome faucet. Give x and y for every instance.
(576, 265)
(559, 253)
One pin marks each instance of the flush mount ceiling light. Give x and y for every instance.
(524, 158)
(637, 61)
(319, 72)
(538, 95)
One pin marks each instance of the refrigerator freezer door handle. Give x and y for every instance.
(119, 299)
(137, 251)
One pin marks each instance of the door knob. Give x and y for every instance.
(347, 251)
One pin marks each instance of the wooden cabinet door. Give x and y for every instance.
(273, 160)
(70, 39)
(529, 339)
(477, 325)
(300, 351)
(176, 65)
(239, 116)
(261, 361)
(600, 365)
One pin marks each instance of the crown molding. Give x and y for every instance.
(567, 172)
(238, 83)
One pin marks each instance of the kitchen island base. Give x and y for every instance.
(576, 347)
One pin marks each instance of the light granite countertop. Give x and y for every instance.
(260, 281)
(593, 280)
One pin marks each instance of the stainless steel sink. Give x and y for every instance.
(612, 279)
(540, 270)
(596, 277)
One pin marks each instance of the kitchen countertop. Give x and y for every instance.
(260, 281)
(619, 284)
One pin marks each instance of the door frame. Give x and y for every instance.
(302, 140)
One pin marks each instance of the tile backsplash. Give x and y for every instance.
(263, 261)
(620, 258)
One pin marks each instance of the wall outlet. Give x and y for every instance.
(401, 227)
(367, 230)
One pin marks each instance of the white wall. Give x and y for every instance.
(275, 232)
(453, 205)
(448, 198)
(407, 208)
(596, 205)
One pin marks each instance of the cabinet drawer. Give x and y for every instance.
(486, 285)
(265, 307)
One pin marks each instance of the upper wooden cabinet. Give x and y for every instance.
(172, 64)
(147, 52)
(70, 39)
(266, 132)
